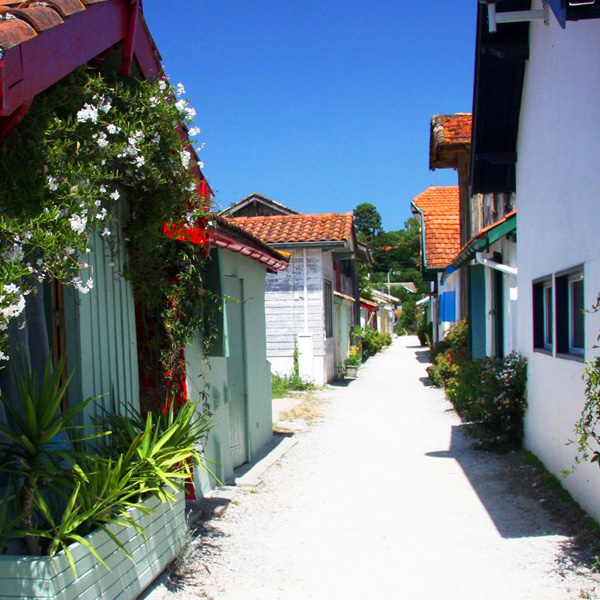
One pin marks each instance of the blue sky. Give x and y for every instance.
(319, 104)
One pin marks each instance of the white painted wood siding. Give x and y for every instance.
(284, 305)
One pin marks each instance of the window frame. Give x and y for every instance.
(328, 307)
(573, 279)
(543, 314)
(548, 307)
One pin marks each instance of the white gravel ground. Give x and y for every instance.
(384, 498)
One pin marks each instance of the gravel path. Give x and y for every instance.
(384, 498)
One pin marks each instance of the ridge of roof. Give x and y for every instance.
(315, 227)
(245, 200)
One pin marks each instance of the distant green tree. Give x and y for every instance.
(367, 221)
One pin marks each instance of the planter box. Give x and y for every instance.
(351, 371)
(42, 577)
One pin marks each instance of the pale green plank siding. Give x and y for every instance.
(38, 577)
(101, 337)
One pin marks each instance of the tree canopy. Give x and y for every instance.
(367, 221)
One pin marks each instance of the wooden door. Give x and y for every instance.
(236, 371)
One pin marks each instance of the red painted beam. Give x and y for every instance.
(129, 41)
(39, 62)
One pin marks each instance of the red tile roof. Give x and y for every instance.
(449, 135)
(328, 227)
(441, 208)
(21, 21)
(452, 129)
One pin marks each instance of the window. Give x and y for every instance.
(543, 315)
(328, 300)
(569, 313)
(558, 313)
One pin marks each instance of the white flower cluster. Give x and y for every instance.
(14, 254)
(88, 113)
(80, 286)
(187, 112)
(52, 183)
(12, 303)
(78, 223)
(186, 157)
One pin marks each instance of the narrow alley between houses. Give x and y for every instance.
(383, 497)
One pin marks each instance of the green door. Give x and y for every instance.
(236, 371)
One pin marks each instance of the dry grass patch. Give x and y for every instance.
(307, 410)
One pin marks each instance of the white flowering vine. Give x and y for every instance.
(80, 153)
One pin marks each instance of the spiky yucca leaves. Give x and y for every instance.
(162, 449)
(30, 449)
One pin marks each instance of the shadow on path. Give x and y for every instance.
(422, 356)
(506, 487)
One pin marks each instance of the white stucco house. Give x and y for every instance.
(536, 102)
(311, 307)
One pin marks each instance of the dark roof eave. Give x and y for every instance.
(500, 60)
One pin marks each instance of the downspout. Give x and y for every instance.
(492, 264)
(304, 261)
(422, 224)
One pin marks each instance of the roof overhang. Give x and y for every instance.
(500, 60)
(485, 238)
(41, 43)
(341, 298)
(35, 55)
(324, 245)
(368, 304)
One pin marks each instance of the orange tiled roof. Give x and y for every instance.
(328, 227)
(452, 129)
(21, 21)
(448, 135)
(441, 209)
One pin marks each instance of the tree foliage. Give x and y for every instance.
(367, 221)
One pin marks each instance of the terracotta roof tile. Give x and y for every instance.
(20, 21)
(452, 129)
(328, 227)
(441, 209)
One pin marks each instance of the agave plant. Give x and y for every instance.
(161, 449)
(32, 448)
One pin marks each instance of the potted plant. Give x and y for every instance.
(352, 362)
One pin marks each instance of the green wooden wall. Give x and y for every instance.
(100, 329)
(477, 311)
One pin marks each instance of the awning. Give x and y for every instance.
(485, 238)
(368, 304)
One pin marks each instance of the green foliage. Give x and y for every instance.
(488, 394)
(370, 341)
(367, 221)
(87, 145)
(365, 285)
(62, 487)
(455, 343)
(354, 357)
(281, 385)
(423, 328)
(587, 428)
(29, 449)
(407, 322)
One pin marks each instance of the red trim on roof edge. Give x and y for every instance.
(39, 62)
